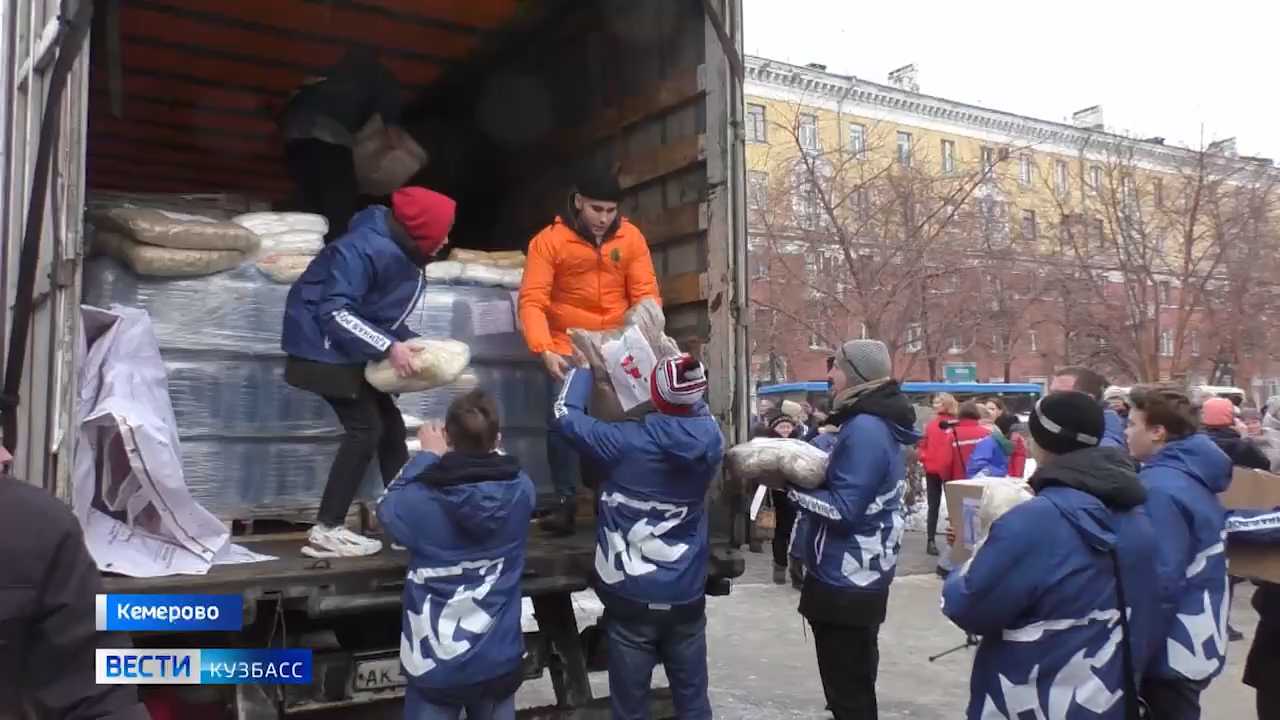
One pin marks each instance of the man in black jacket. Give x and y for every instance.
(48, 584)
(1217, 415)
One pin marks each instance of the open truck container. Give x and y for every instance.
(507, 96)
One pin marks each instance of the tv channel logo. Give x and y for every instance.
(169, 613)
(135, 666)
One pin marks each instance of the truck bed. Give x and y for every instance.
(552, 565)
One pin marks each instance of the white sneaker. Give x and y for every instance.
(331, 542)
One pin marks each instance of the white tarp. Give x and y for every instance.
(128, 490)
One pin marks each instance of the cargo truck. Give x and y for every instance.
(171, 96)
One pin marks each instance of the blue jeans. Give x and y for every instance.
(636, 647)
(417, 707)
(563, 459)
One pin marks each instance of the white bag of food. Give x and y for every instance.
(443, 271)
(156, 261)
(630, 361)
(283, 268)
(292, 242)
(648, 319)
(486, 275)
(498, 258)
(511, 278)
(999, 496)
(777, 462)
(435, 363)
(181, 231)
(266, 223)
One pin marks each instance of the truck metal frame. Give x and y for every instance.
(669, 112)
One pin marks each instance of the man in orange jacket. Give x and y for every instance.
(584, 270)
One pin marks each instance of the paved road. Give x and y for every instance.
(763, 668)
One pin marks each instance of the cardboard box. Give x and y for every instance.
(1253, 490)
(964, 497)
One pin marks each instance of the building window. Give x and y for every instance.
(1095, 178)
(862, 198)
(915, 338)
(1195, 344)
(1024, 170)
(1129, 191)
(1166, 343)
(858, 141)
(862, 331)
(904, 149)
(1033, 340)
(997, 344)
(815, 341)
(988, 157)
(1029, 230)
(954, 345)
(756, 131)
(757, 189)
(1061, 178)
(1157, 193)
(760, 270)
(807, 209)
(1165, 292)
(809, 131)
(948, 156)
(1099, 232)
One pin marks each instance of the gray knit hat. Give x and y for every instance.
(864, 361)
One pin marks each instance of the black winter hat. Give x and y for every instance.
(599, 184)
(1063, 422)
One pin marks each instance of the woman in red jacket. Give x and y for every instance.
(967, 432)
(935, 455)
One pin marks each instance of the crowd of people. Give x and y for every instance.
(1125, 514)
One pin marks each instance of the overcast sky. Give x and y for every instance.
(1157, 68)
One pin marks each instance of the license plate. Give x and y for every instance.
(377, 674)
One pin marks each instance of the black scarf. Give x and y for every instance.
(885, 401)
(459, 468)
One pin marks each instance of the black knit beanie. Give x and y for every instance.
(599, 184)
(1063, 422)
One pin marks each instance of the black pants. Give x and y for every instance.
(372, 424)
(325, 174)
(934, 483)
(1173, 699)
(785, 515)
(848, 661)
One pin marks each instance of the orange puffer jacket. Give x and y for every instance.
(571, 283)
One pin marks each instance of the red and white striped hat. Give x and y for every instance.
(678, 384)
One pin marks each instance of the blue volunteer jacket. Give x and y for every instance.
(353, 299)
(651, 532)
(464, 520)
(1113, 430)
(1183, 481)
(855, 521)
(988, 456)
(1041, 592)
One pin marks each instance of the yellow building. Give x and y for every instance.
(1072, 196)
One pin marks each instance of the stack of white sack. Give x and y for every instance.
(435, 363)
(476, 267)
(163, 243)
(623, 360)
(999, 496)
(289, 241)
(777, 463)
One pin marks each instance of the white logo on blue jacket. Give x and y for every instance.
(642, 543)
(1075, 685)
(457, 617)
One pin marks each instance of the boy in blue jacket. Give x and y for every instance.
(1044, 590)
(462, 510)
(347, 308)
(651, 533)
(1183, 471)
(853, 525)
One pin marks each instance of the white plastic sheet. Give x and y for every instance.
(128, 489)
(630, 361)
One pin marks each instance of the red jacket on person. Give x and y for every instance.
(935, 449)
(962, 438)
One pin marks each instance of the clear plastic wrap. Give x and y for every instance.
(169, 229)
(284, 269)
(292, 242)
(253, 446)
(777, 462)
(435, 363)
(443, 271)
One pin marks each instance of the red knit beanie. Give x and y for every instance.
(427, 216)
(677, 385)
